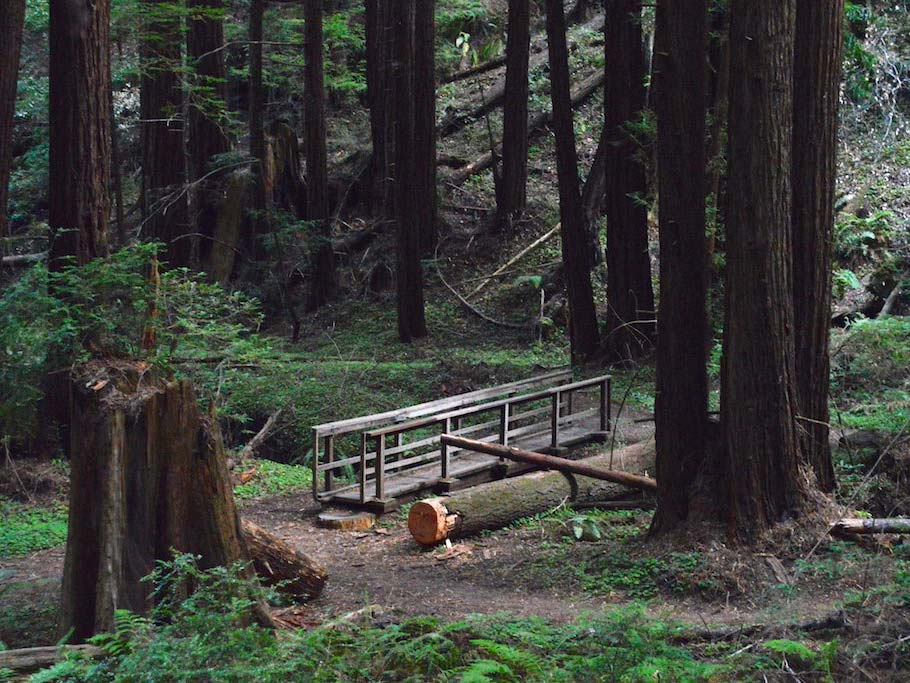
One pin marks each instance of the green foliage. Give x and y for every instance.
(639, 577)
(27, 528)
(856, 237)
(273, 478)
(51, 320)
(844, 280)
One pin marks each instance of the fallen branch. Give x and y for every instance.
(31, 659)
(476, 311)
(893, 525)
(552, 462)
(23, 260)
(250, 449)
(539, 120)
(828, 622)
(512, 261)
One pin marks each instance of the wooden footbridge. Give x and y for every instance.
(379, 461)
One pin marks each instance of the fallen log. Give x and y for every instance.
(278, 564)
(261, 436)
(893, 525)
(539, 120)
(499, 503)
(23, 260)
(552, 462)
(512, 261)
(31, 659)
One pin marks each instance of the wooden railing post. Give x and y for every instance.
(554, 420)
(379, 467)
(504, 424)
(604, 406)
(329, 458)
(316, 463)
(444, 450)
(363, 467)
(570, 403)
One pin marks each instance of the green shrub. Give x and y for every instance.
(26, 529)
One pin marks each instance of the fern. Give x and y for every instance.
(488, 671)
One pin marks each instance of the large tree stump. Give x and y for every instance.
(149, 477)
(499, 503)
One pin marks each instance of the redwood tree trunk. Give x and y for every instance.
(629, 290)
(512, 196)
(257, 125)
(164, 203)
(681, 404)
(758, 394)
(12, 16)
(425, 122)
(380, 42)
(205, 114)
(817, 70)
(80, 129)
(322, 278)
(411, 320)
(582, 315)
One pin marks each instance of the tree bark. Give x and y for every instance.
(148, 476)
(630, 294)
(80, 129)
(681, 403)
(718, 97)
(583, 317)
(425, 122)
(380, 42)
(411, 320)
(758, 392)
(816, 91)
(258, 148)
(165, 209)
(322, 277)
(512, 196)
(278, 564)
(207, 134)
(12, 16)
(499, 503)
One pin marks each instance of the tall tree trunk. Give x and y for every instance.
(380, 45)
(205, 116)
(164, 204)
(12, 16)
(758, 393)
(582, 315)
(718, 101)
(512, 196)
(425, 122)
(681, 404)
(257, 125)
(411, 320)
(80, 129)
(630, 293)
(322, 278)
(816, 88)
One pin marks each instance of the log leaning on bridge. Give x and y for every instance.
(552, 462)
(499, 503)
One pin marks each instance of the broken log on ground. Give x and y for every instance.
(499, 503)
(278, 564)
(553, 462)
(536, 122)
(893, 525)
(31, 659)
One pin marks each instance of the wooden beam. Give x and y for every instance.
(553, 462)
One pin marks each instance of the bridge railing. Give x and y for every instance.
(497, 421)
(328, 440)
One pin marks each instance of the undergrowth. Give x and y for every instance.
(28, 528)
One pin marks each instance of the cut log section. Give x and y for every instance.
(499, 503)
(278, 564)
(552, 462)
(346, 521)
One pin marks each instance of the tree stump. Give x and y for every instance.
(148, 478)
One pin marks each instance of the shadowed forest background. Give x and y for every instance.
(224, 222)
